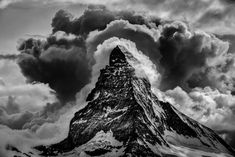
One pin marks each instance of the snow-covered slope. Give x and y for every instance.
(124, 118)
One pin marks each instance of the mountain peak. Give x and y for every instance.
(123, 117)
(117, 55)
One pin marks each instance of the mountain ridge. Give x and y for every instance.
(123, 117)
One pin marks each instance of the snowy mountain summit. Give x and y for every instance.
(123, 117)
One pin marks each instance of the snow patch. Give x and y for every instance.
(96, 95)
(102, 140)
(80, 121)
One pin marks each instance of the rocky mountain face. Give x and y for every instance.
(124, 118)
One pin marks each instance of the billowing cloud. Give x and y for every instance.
(60, 61)
(144, 37)
(11, 106)
(15, 121)
(19, 103)
(187, 56)
(210, 107)
(28, 95)
(94, 18)
(45, 132)
(10, 73)
(144, 68)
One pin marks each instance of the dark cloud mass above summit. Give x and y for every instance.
(62, 59)
(184, 57)
(94, 18)
(179, 53)
(185, 54)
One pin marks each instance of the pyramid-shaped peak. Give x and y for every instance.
(118, 55)
(125, 118)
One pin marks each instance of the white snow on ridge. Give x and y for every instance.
(188, 152)
(96, 95)
(79, 121)
(102, 140)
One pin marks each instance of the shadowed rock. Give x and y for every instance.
(123, 117)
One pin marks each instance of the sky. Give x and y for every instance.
(48, 60)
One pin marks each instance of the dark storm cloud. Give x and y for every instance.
(94, 18)
(186, 53)
(63, 66)
(59, 41)
(29, 44)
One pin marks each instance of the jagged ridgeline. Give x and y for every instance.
(124, 118)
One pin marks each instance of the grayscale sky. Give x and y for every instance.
(48, 51)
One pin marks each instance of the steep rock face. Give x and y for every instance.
(123, 118)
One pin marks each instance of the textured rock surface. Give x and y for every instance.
(123, 117)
